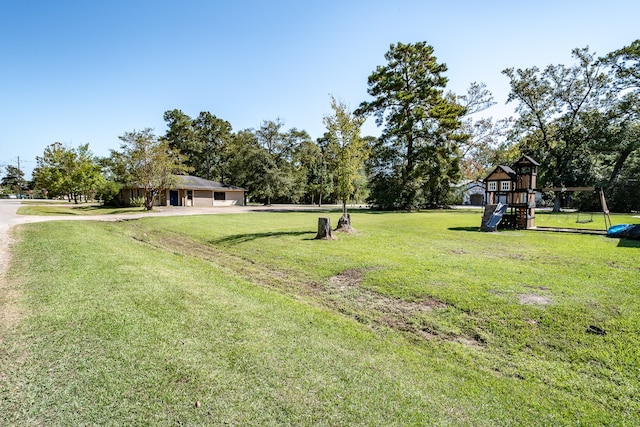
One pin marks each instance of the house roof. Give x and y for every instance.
(506, 169)
(468, 183)
(188, 182)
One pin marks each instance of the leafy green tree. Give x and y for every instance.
(203, 141)
(181, 135)
(310, 158)
(253, 168)
(278, 143)
(150, 163)
(614, 136)
(486, 136)
(617, 130)
(13, 182)
(347, 152)
(552, 105)
(70, 172)
(296, 142)
(87, 173)
(581, 122)
(625, 64)
(243, 144)
(269, 163)
(52, 172)
(212, 136)
(422, 129)
(278, 176)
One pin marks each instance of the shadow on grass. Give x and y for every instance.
(66, 209)
(117, 211)
(54, 211)
(628, 243)
(106, 210)
(235, 239)
(288, 210)
(464, 228)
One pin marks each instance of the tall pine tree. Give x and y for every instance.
(417, 157)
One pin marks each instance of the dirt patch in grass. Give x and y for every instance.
(353, 278)
(533, 299)
(11, 350)
(10, 313)
(348, 278)
(347, 230)
(343, 292)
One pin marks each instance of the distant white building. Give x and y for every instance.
(472, 193)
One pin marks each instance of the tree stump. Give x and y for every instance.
(324, 229)
(344, 223)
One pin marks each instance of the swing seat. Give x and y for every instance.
(584, 220)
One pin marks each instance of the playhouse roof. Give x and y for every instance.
(505, 169)
(527, 159)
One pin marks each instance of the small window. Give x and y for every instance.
(505, 185)
(219, 195)
(492, 186)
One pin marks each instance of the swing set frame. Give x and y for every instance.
(603, 200)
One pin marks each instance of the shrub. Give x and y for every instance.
(137, 202)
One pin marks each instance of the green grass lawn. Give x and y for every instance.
(60, 209)
(416, 319)
(585, 220)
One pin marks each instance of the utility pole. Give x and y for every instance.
(20, 184)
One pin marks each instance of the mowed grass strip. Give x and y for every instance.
(531, 298)
(581, 220)
(116, 330)
(69, 209)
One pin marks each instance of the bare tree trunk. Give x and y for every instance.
(344, 223)
(148, 200)
(622, 157)
(324, 229)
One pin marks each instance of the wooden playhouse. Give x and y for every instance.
(512, 191)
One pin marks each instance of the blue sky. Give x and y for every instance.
(87, 71)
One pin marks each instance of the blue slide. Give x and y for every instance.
(496, 216)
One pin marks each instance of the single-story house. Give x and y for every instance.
(191, 191)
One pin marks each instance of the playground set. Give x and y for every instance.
(511, 199)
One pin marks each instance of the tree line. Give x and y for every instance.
(580, 122)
